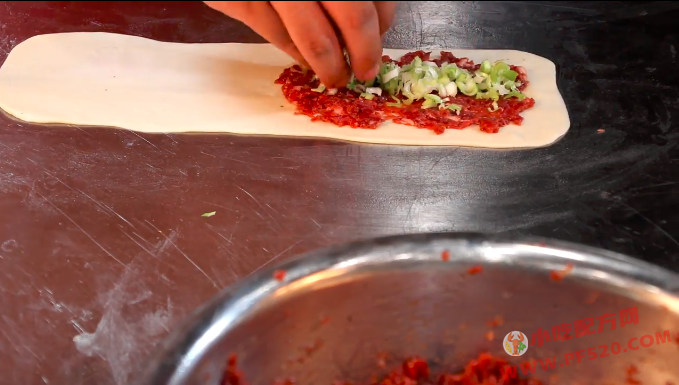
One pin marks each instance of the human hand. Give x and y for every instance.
(315, 33)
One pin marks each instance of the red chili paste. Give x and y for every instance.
(279, 275)
(558, 276)
(445, 255)
(346, 108)
(485, 370)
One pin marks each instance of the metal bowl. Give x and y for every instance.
(339, 312)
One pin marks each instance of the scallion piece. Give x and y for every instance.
(388, 72)
(467, 86)
(497, 71)
(443, 80)
(491, 94)
(451, 89)
(398, 102)
(374, 90)
(431, 101)
(452, 71)
(434, 98)
(352, 83)
(510, 75)
(428, 104)
(516, 94)
(485, 67)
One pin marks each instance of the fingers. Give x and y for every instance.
(313, 33)
(359, 25)
(315, 38)
(263, 19)
(385, 12)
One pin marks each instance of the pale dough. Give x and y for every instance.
(103, 79)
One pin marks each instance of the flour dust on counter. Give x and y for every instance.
(132, 320)
(104, 79)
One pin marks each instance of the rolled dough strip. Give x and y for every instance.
(103, 79)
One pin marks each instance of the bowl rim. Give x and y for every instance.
(180, 352)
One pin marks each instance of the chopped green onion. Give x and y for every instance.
(431, 101)
(320, 88)
(430, 82)
(516, 94)
(498, 70)
(409, 95)
(452, 71)
(433, 72)
(467, 86)
(425, 80)
(485, 67)
(352, 83)
(398, 103)
(207, 215)
(428, 104)
(388, 72)
(502, 90)
(510, 75)
(500, 66)
(451, 89)
(485, 84)
(491, 94)
(418, 89)
(374, 90)
(392, 86)
(434, 98)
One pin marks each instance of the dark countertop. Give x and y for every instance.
(102, 236)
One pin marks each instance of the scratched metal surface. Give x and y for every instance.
(101, 234)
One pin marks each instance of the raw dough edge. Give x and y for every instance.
(104, 79)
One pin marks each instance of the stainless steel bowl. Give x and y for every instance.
(339, 311)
